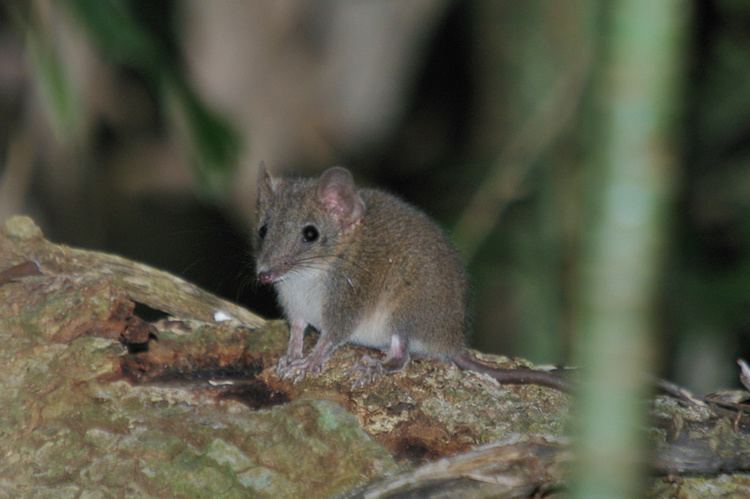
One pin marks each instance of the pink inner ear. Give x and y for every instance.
(338, 194)
(335, 203)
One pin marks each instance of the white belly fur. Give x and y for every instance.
(373, 330)
(301, 295)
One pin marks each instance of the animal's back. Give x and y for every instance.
(415, 275)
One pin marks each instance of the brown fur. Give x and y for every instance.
(379, 267)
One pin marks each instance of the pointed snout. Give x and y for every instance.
(269, 274)
(272, 271)
(267, 277)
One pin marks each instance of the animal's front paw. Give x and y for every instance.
(296, 369)
(284, 363)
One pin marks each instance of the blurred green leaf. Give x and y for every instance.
(57, 91)
(215, 143)
(118, 34)
(124, 40)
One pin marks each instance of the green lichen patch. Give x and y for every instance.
(432, 409)
(98, 402)
(72, 426)
(20, 228)
(83, 431)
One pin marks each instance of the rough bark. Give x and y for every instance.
(96, 399)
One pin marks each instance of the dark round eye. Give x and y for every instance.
(309, 233)
(262, 231)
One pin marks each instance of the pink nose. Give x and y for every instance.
(266, 277)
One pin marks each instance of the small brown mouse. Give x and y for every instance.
(361, 266)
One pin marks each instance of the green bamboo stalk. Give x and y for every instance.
(631, 178)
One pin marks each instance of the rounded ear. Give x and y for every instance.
(337, 192)
(267, 185)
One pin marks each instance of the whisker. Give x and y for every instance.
(348, 260)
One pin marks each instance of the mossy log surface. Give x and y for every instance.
(119, 380)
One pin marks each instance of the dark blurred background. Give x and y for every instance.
(136, 127)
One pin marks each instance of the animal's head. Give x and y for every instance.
(302, 223)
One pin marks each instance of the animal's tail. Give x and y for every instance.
(520, 376)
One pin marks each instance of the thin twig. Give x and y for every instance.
(678, 392)
(515, 466)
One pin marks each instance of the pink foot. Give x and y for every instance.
(285, 361)
(369, 370)
(296, 370)
(366, 372)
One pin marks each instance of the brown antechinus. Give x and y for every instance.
(363, 267)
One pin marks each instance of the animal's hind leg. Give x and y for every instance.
(368, 370)
(398, 354)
